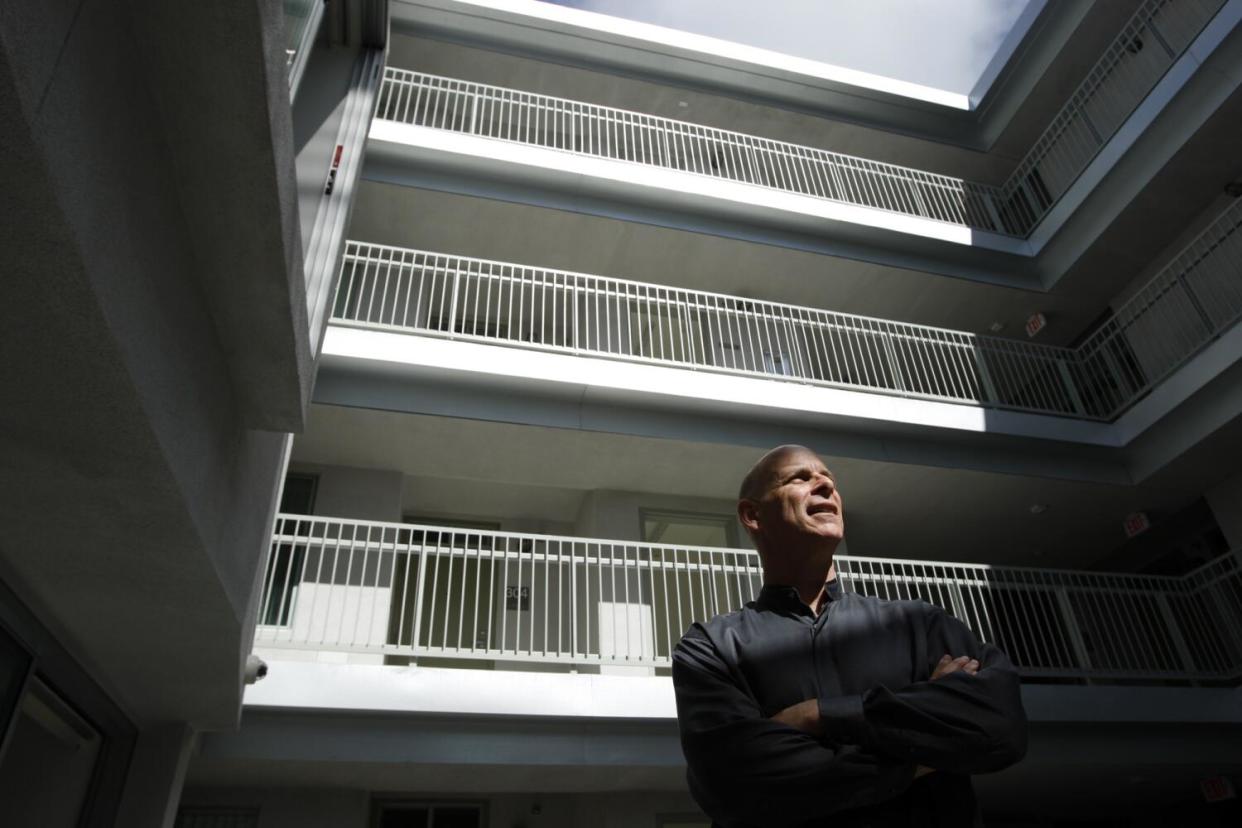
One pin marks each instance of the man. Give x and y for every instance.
(812, 706)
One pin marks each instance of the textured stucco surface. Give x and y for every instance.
(136, 489)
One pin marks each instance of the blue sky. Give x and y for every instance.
(944, 44)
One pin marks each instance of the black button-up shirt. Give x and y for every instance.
(869, 663)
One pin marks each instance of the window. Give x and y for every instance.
(473, 326)
(217, 818)
(49, 761)
(688, 528)
(682, 821)
(485, 525)
(477, 539)
(298, 496)
(778, 363)
(281, 581)
(14, 665)
(428, 815)
(64, 759)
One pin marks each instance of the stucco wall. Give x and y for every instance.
(140, 472)
(349, 492)
(618, 515)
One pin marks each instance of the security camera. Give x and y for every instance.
(256, 668)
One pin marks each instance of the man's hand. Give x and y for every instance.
(802, 716)
(949, 664)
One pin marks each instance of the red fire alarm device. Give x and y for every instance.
(1136, 524)
(336, 165)
(1217, 789)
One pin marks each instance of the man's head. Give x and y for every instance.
(790, 506)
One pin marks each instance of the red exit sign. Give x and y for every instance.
(1036, 323)
(1217, 788)
(1136, 524)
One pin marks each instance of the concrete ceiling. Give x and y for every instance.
(894, 509)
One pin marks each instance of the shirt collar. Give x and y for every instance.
(778, 596)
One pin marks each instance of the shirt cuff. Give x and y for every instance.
(841, 719)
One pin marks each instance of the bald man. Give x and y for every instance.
(812, 706)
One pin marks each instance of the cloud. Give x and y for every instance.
(945, 44)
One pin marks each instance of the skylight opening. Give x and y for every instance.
(942, 51)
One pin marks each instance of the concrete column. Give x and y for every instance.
(156, 774)
(1225, 500)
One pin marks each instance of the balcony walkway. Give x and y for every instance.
(1188, 304)
(403, 590)
(1152, 41)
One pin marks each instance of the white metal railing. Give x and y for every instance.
(430, 293)
(392, 589)
(1149, 43)
(427, 100)
(1188, 303)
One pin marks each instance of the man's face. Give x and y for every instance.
(801, 500)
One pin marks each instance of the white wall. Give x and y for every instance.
(348, 492)
(517, 508)
(617, 515)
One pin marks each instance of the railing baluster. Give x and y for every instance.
(1113, 368)
(1134, 630)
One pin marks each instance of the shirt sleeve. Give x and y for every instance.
(958, 723)
(744, 767)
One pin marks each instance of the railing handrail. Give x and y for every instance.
(1052, 351)
(1066, 146)
(1168, 273)
(727, 550)
(1175, 273)
(415, 76)
(1091, 83)
(384, 588)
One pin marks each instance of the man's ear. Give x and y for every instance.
(748, 514)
